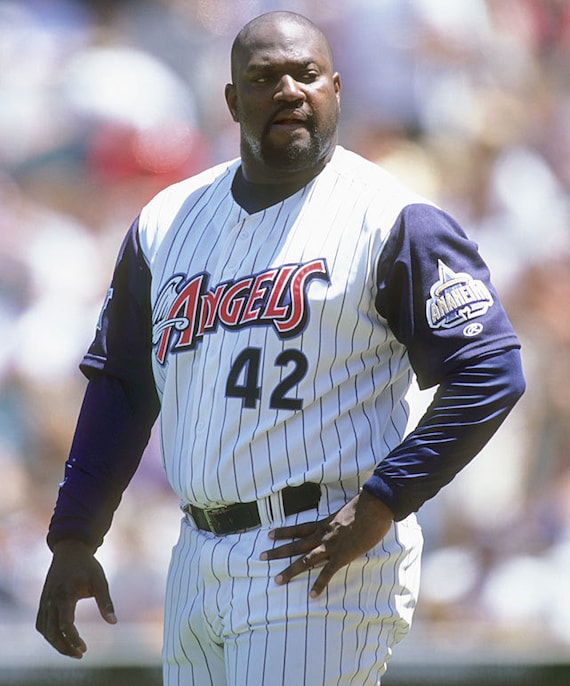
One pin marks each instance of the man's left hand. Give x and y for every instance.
(333, 542)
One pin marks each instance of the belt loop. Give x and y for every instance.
(276, 500)
(271, 509)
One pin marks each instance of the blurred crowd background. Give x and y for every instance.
(103, 103)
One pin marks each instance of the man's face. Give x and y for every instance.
(286, 100)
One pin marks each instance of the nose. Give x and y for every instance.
(289, 89)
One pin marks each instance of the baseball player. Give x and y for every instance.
(273, 310)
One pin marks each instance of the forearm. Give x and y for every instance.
(111, 434)
(467, 410)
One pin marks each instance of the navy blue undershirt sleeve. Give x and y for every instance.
(434, 291)
(111, 434)
(467, 409)
(119, 408)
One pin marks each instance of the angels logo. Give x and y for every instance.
(456, 298)
(187, 309)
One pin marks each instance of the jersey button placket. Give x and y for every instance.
(231, 253)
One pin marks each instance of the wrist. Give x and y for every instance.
(381, 508)
(72, 545)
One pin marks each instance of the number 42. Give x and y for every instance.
(247, 367)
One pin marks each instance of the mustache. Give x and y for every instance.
(305, 119)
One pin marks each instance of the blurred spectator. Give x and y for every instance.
(104, 103)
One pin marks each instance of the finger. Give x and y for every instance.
(61, 633)
(300, 565)
(104, 602)
(298, 547)
(322, 581)
(294, 531)
(68, 634)
(41, 619)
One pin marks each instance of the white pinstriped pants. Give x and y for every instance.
(228, 624)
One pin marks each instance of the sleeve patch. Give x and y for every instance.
(455, 299)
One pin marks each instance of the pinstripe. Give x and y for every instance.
(248, 623)
(286, 628)
(362, 624)
(342, 634)
(175, 648)
(263, 656)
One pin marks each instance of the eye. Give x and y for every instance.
(259, 77)
(308, 76)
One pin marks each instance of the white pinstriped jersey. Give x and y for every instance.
(257, 317)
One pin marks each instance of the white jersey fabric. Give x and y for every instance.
(257, 316)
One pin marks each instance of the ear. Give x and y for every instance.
(337, 89)
(231, 99)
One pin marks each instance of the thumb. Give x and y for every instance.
(104, 602)
(108, 613)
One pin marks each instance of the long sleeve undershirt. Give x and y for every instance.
(466, 411)
(110, 437)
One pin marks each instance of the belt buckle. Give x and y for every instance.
(211, 518)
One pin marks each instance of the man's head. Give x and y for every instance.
(285, 97)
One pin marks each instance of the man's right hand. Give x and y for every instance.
(74, 574)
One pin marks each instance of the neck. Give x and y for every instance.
(257, 187)
(257, 172)
(255, 196)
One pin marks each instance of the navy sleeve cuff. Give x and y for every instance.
(382, 490)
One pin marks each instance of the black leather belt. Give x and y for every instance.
(243, 516)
